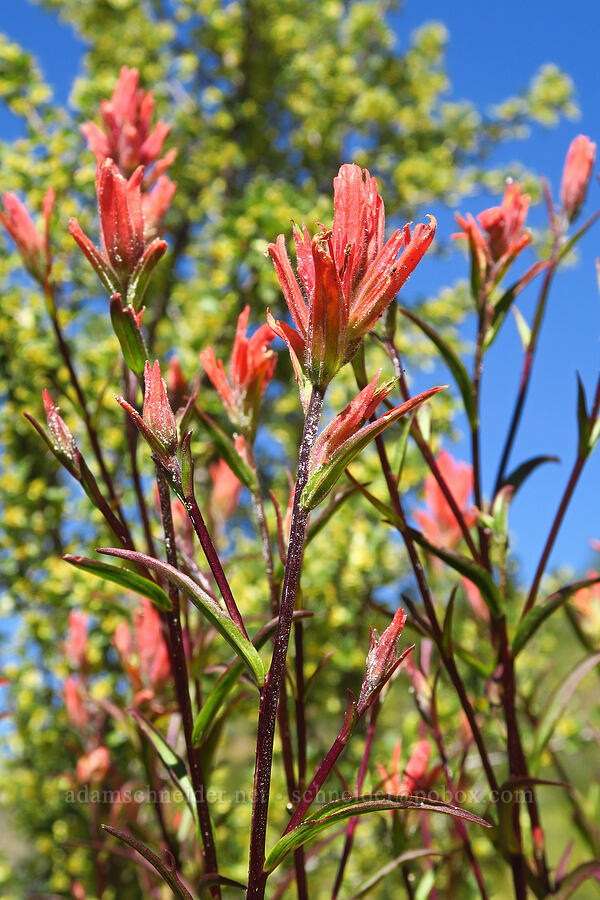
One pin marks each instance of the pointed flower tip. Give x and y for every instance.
(62, 439)
(157, 412)
(381, 659)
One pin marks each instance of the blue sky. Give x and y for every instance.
(493, 51)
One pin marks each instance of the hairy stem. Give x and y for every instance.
(270, 692)
(180, 675)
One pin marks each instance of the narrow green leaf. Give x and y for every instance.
(174, 764)
(339, 810)
(402, 443)
(477, 574)
(522, 327)
(227, 681)
(540, 612)
(577, 236)
(583, 420)
(476, 276)
(502, 306)
(217, 616)
(425, 885)
(166, 872)
(227, 450)
(447, 626)
(483, 669)
(453, 362)
(380, 874)
(594, 435)
(556, 704)
(129, 335)
(125, 578)
(518, 475)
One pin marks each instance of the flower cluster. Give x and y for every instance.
(504, 235)
(438, 522)
(347, 276)
(128, 136)
(251, 368)
(127, 259)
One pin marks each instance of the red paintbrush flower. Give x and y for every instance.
(77, 712)
(127, 259)
(250, 370)
(226, 486)
(347, 276)
(505, 234)
(128, 136)
(576, 175)
(33, 247)
(438, 523)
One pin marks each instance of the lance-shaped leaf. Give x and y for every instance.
(127, 327)
(227, 681)
(174, 764)
(463, 564)
(209, 607)
(227, 451)
(454, 363)
(502, 306)
(540, 612)
(125, 578)
(338, 810)
(477, 574)
(337, 446)
(583, 420)
(518, 475)
(556, 704)
(166, 870)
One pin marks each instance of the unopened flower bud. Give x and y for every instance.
(157, 412)
(576, 175)
(62, 440)
(381, 659)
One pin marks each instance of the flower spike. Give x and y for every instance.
(127, 259)
(127, 135)
(157, 423)
(347, 277)
(504, 226)
(251, 368)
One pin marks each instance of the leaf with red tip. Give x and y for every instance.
(324, 478)
(338, 810)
